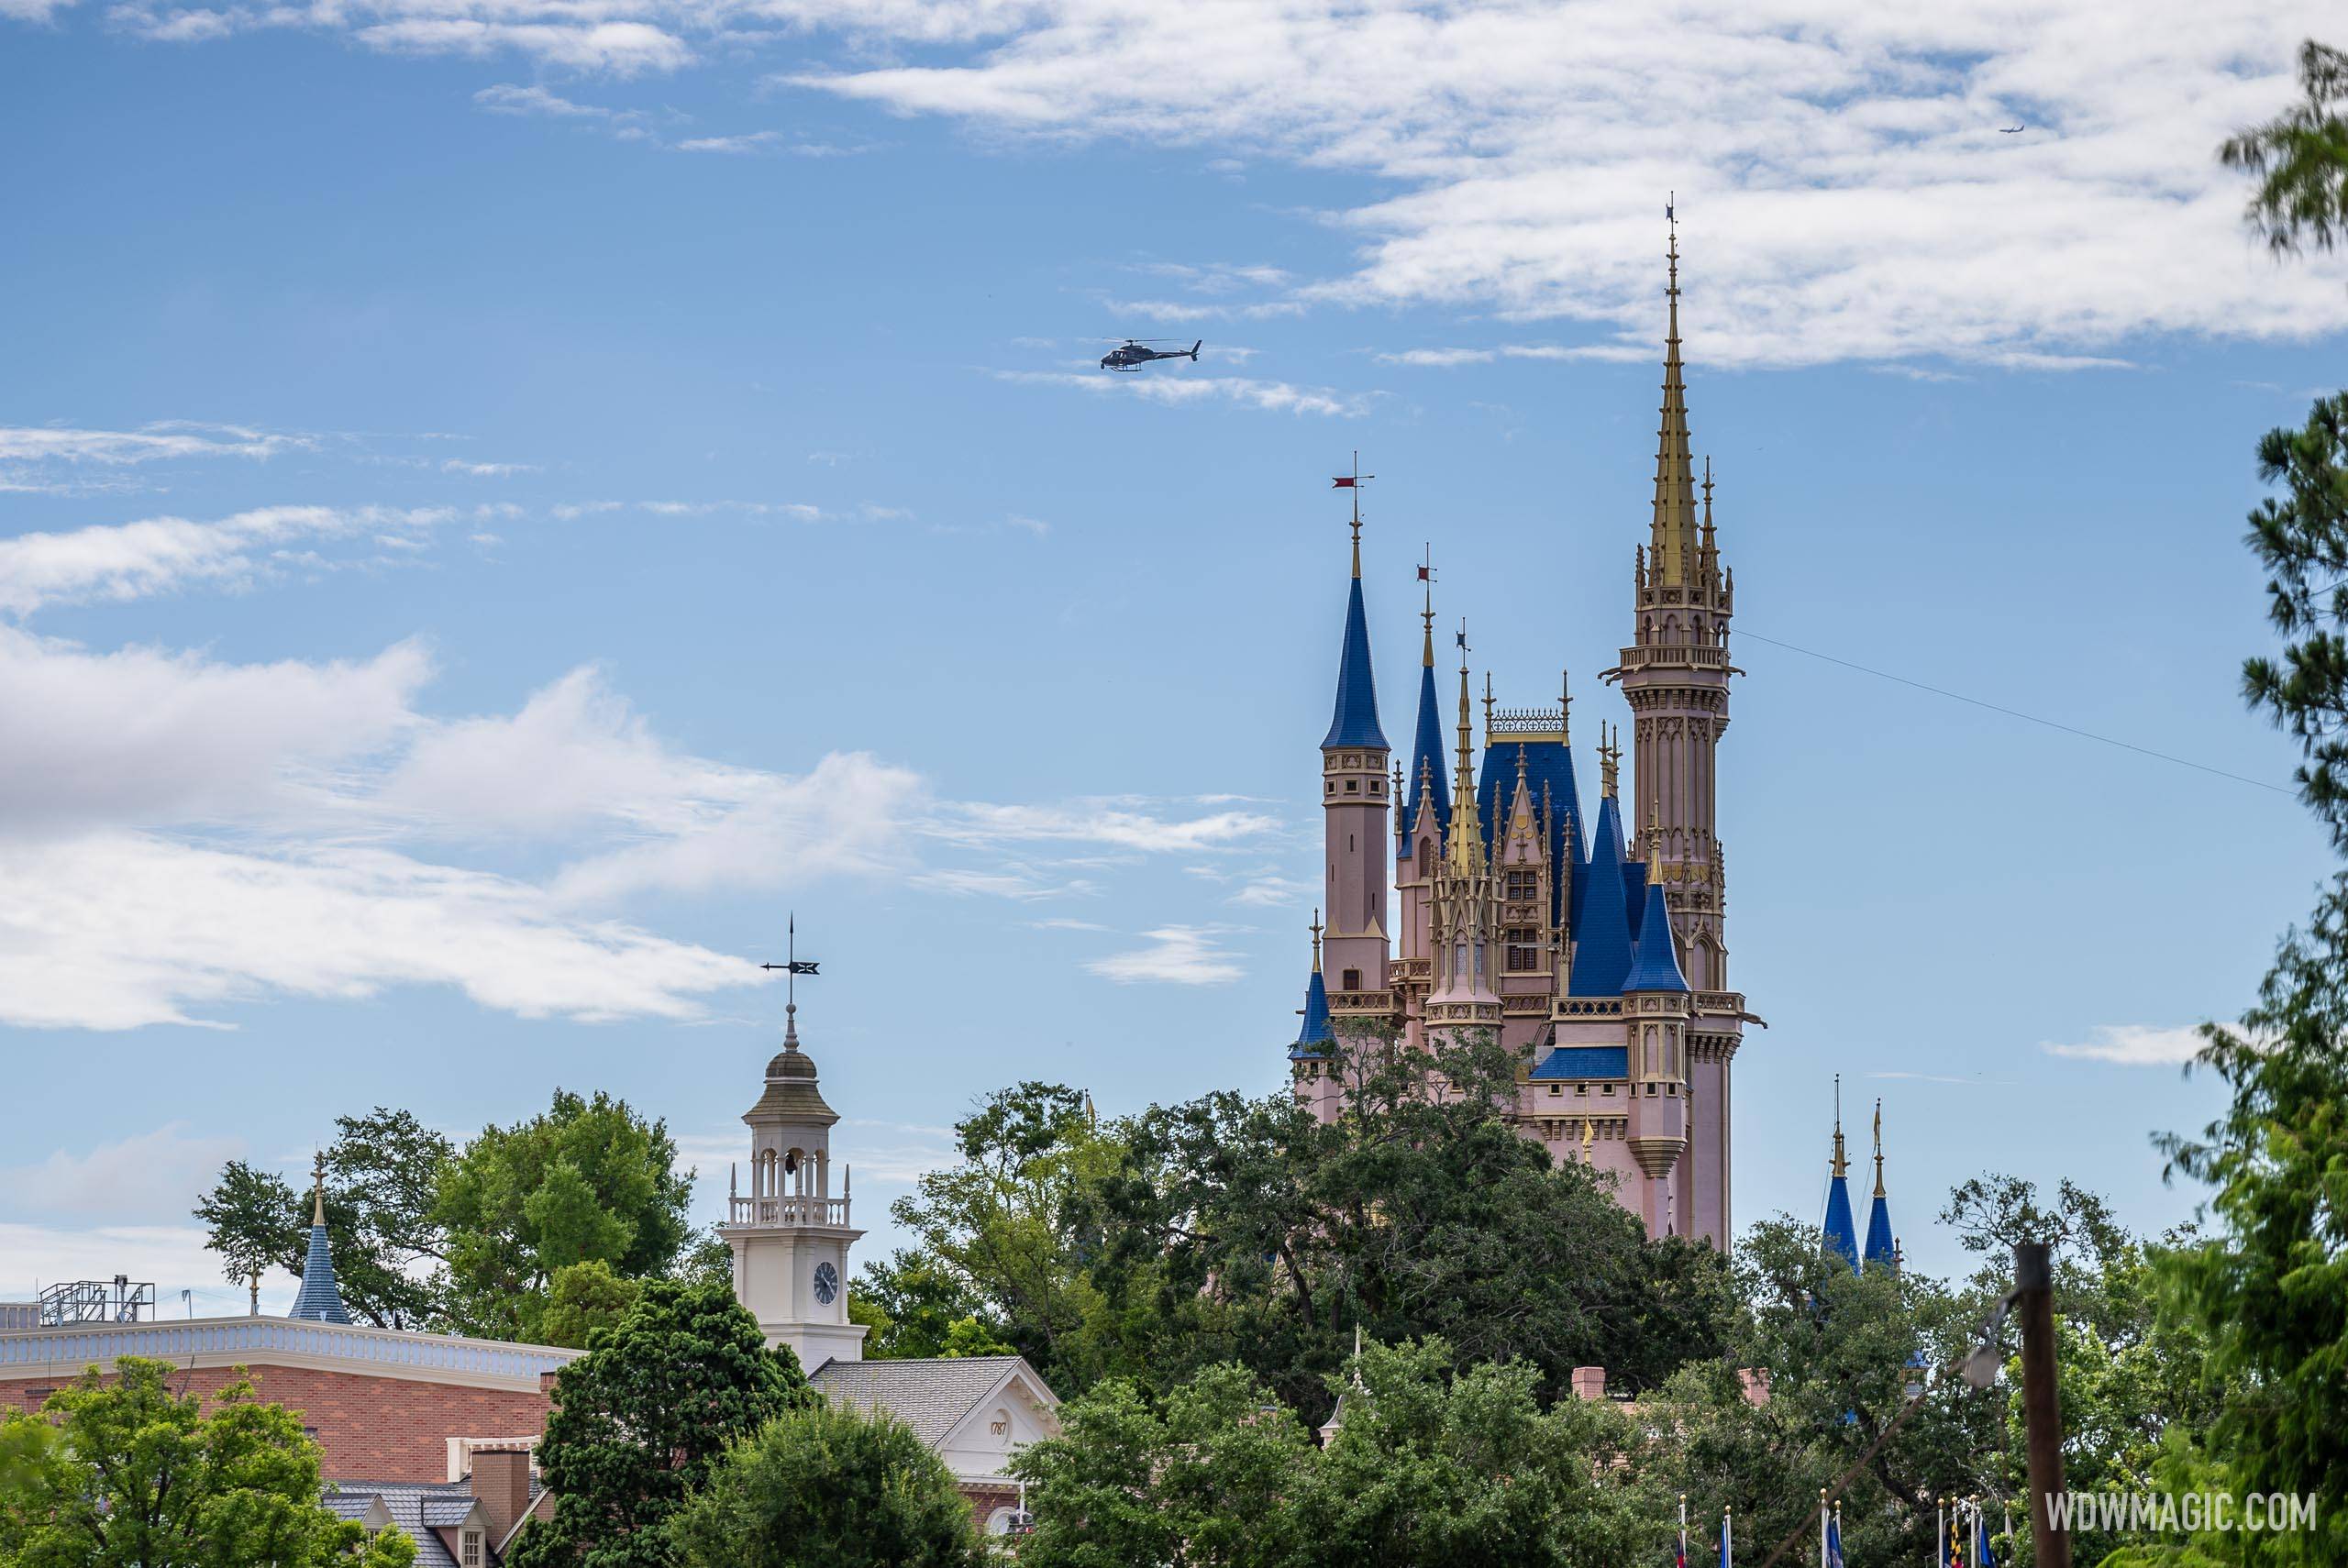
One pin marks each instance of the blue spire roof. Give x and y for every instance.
(1355, 722)
(1657, 968)
(1428, 778)
(1603, 922)
(319, 1301)
(1316, 1032)
(1881, 1248)
(1841, 1237)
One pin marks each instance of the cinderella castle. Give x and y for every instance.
(1594, 947)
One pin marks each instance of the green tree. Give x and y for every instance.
(1208, 1479)
(581, 1298)
(383, 1172)
(2301, 538)
(915, 1303)
(640, 1420)
(2300, 158)
(139, 1476)
(589, 1179)
(1463, 1468)
(1243, 1229)
(825, 1487)
(1006, 1234)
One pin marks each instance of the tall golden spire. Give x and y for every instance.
(1465, 850)
(1671, 561)
(1842, 1165)
(1609, 757)
(1316, 928)
(318, 1190)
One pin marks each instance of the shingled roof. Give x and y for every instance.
(931, 1396)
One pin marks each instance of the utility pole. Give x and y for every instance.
(2041, 1412)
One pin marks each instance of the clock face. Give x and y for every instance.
(827, 1282)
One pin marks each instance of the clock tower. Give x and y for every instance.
(790, 1235)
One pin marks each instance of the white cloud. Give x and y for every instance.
(1177, 955)
(613, 47)
(160, 555)
(767, 141)
(2134, 1045)
(1845, 190)
(150, 443)
(153, 1174)
(113, 931)
(487, 470)
(144, 737)
(511, 99)
(1277, 397)
(1099, 822)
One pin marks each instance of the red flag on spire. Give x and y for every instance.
(1347, 482)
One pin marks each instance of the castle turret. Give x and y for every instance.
(1354, 827)
(1675, 677)
(1837, 1233)
(1655, 1016)
(1464, 997)
(1882, 1246)
(1312, 1065)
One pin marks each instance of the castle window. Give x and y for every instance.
(1351, 980)
(1524, 950)
(1353, 786)
(1523, 886)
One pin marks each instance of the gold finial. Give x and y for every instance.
(1566, 706)
(1654, 848)
(256, 1295)
(1842, 1165)
(1396, 796)
(1467, 848)
(1588, 1136)
(318, 1190)
(1673, 534)
(1879, 1148)
(1609, 759)
(1488, 707)
(1354, 484)
(1317, 928)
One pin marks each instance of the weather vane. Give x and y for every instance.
(792, 966)
(1354, 481)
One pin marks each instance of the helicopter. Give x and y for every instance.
(1135, 352)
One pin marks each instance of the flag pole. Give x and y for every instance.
(1821, 1527)
(1683, 1529)
(1973, 1556)
(1728, 1539)
(1940, 1533)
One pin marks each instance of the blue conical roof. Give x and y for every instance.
(319, 1301)
(1602, 921)
(1427, 776)
(1657, 966)
(1315, 1032)
(1355, 722)
(1880, 1245)
(1841, 1237)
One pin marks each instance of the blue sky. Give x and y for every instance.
(502, 499)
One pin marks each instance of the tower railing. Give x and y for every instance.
(788, 1210)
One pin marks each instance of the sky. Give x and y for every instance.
(501, 501)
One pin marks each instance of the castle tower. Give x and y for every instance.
(1312, 1065)
(1419, 831)
(1840, 1236)
(1353, 800)
(790, 1235)
(1882, 1246)
(1462, 996)
(1656, 1015)
(1675, 677)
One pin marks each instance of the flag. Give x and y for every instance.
(1981, 1542)
(1348, 482)
(1426, 574)
(1833, 1543)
